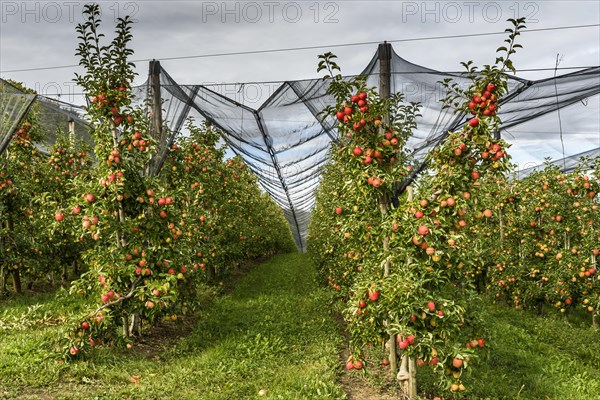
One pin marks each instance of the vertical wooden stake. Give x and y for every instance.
(156, 128)
(385, 54)
(410, 386)
(71, 128)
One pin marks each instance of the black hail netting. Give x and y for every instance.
(567, 164)
(285, 144)
(13, 105)
(53, 115)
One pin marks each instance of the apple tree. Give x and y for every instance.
(414, 289)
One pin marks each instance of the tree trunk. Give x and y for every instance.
(3, 275)
(540, 307)
(75, 268)
(125, 323)
(64, 276)
(50, 278)
(135, 326)
(17, 281)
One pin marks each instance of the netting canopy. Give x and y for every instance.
(53, 115)
(566, 164)
(285, 143)
(13, 107)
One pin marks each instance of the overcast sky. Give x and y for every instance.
(42, 34)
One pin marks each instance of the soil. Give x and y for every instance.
(360, 385)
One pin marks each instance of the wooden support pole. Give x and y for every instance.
(71, 129)
(385, 53)
(156, 119)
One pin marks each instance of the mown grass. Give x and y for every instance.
(273, 332)
(534, 358)
(277, 331)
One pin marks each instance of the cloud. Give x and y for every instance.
(38, 34)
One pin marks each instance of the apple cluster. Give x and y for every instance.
(483, 103)
(358, 102)
(110, 102)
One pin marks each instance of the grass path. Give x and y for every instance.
(277, 332)
(273, 332)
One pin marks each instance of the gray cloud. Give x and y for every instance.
(33, 34)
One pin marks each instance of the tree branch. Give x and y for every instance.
(120, 299)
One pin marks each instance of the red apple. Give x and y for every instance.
(374, 295)
(457, 363)
(431, 306)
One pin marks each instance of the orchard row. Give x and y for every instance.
(408, 265)
(145, 245)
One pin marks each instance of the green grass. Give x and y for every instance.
(535, 358)
(273, 332)
(277, 331)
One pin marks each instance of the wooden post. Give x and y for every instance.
(71, 128)
(385, 58)
(3, 270)
(595, 265)
(385, 54)
(156, 125)
(412, 381)
(3, 275)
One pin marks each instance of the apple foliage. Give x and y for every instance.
(155, 240)
(547, 253)
(400, 263)
(20, 179)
